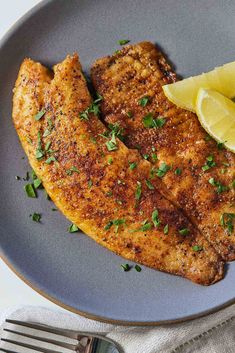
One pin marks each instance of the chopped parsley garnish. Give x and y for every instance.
(54, 209)
(154, 157)
(125, 267)
(197, 248)
(116, 223)
(93, 108)
(48, 130)
(220, 145)
(17, 177)
(37, 183)
(132, 165)
(163, 169)
(150, 122)
(48, 145)
(227, 221)
(29, 140)
(29, 189)
(149, 184)
(146, 156)
(39, 115)
(36, 217)
(110, 160)
(220, 187)
(73, 228)
(233, 184)
(166, 229)
(178, 171)
(129, 114)
(50, 160)
(184, 231)
(138, 268)
(72, 170)
(108, 225)
(155, 219)
(146, 226)
(39, 151)
(112, 144)
(138, 191)
(144, 101)
(123, 41)
(209, 163)
(117, 131)
(90, 183)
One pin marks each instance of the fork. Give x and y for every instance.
(85, 342)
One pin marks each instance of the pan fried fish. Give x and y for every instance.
(96, 181)
(198, 173)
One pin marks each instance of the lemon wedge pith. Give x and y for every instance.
(184, 93)
(216, 114)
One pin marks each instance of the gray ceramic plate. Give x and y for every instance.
(68, 268)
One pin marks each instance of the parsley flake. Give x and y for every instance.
(166, 229)
(37, 183)
(144, 101)
(50, 160)
(132, 165)
(123, 41)
(209, 163)
(197, 248)
(125, 267)
(149, 184)
(220, 187)
(178, 171)
(150, 122)
(138, 191)
(184, 231)
(72, 170)
(138, 268)
(227, 221)
(110, 160)
(155, 219)
(73, 228)
(36, 217)
(116, 223)
(40, 114)
(29, 189)
(163, 169)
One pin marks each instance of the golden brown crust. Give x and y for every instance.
(102, 191)
(141, 70)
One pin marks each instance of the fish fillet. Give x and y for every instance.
(201, 176)
(96, 188)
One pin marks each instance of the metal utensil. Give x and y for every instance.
(83, 342)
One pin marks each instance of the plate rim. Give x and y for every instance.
(5, 38)
(95, 317)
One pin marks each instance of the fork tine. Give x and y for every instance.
(25, 345)
(56, 331)
(72, 347)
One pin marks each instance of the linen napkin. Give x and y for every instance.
(214, 333)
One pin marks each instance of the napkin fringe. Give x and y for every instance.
(201, 335)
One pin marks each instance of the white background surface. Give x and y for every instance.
(13, 291)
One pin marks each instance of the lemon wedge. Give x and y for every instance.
(216, 114)
(184, 93)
